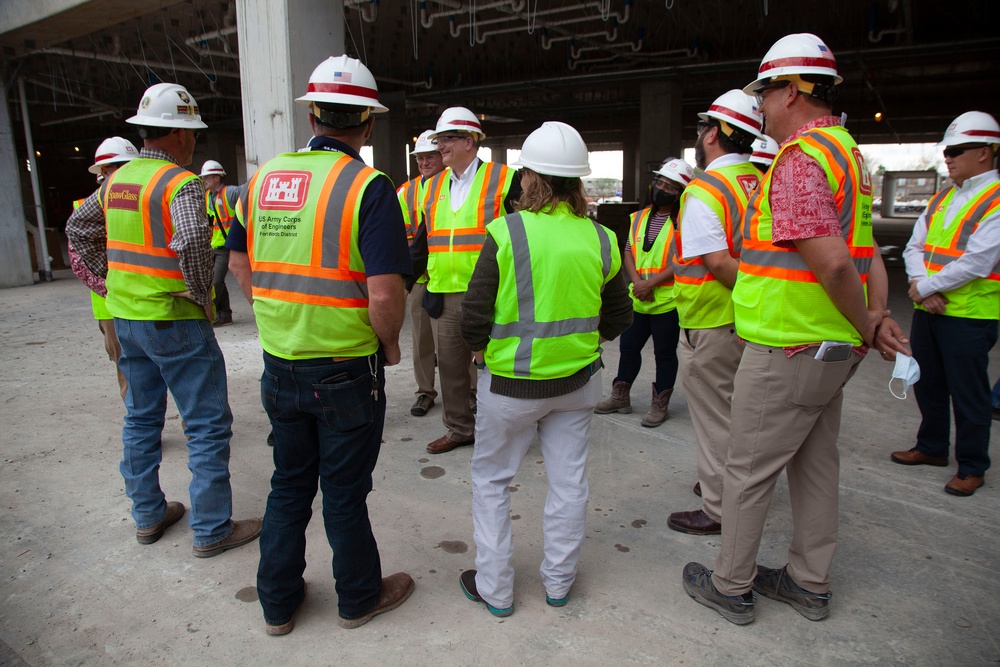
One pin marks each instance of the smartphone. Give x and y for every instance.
(337, 379)
(832, 350)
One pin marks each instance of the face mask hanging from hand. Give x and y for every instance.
(906, 372)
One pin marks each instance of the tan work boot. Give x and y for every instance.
(619, 401)
(658, 410)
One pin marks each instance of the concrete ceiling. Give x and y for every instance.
(520, 62)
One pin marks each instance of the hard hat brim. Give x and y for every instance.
(553, 170)
(346, 100)
(166, 122)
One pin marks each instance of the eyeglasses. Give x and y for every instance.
(703, 125)
(955, 151)
(447, 139)
(665, 184)
(759, 92)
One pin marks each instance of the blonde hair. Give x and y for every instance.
(545, 192)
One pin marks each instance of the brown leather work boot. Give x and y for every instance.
(395, 591)
(658, 410)
(619, 401)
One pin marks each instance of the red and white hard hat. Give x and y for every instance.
(459, 119)
(112, 150)
(737, 109)
(555, 149)
(212, 168)
(342, 80)
(676, 170)
(764, 151)
(801, 53)
(972, 127)
(425, 143)
(168, 105)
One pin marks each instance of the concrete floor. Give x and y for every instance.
(916, 579)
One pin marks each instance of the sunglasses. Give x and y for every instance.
(955, 151)
(759, 92)
(446, 139)
(703, 125)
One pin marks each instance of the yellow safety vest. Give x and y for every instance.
(702, 301)
(946, 241)
(553, 268)
(455, 238)
(142, 269)
(411, 201)
(778, 300)
(221, 213)
(310, 291)
(651, 262)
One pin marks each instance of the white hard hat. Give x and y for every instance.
(736, 109)
(459, 119)
(212, 168)
(801, 53)
(425, 143)
(972, 127)
(342, 80)
(168, 105)
(764, 151)
(677, 170)
(111, 151)
(554, 149)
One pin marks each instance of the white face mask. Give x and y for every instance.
(905, 373)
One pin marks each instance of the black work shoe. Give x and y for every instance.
(738, 609)
(777, 585)
(422, 405)
(270, 439)
(467, 580)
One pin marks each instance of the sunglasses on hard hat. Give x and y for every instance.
(758, 93)
(447, 138)
(955, 151)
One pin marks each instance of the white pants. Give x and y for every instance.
(505, 429)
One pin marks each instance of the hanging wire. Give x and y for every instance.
(670, 3)
(532, 18)
(347, 24)
(415, 25)
(605, 7)
(472, 23)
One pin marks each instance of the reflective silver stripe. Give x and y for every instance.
(432, 187)
(491, 189)
(792, 261)
(157, 230)
(847, 211)
(605, 250)
(458, 239)
(749, 212)
(975, 217)
(335, 211)
(696, 271)
(526, 328)
(338, 289)
(723, 187)
(130, 257)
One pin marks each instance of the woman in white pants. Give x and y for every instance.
(545, 292)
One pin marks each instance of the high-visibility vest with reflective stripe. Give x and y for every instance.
(553, 268)
(455, 238)
(778, 300)
(142, 269)
(702, 301)
(946, 241)
(221, 213)
(411, 196)
(78, 203)
(651, 262)
(97, 302)
(310, 291)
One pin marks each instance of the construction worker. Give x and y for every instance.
(220, 204)
(328, 295)
(546, 291)
(953, 263)
(459, 202)
(145, 230)
(648, 269)
(111, 154)
(411, 197)
(809, 296)
(708, 243)
(764, 150)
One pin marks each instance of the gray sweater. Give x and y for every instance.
(477, 323)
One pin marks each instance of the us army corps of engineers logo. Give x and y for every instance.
(284, 191)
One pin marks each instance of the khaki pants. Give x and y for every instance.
(423, 342)
(454, 358)
(710, 358)
(786, 414)
(114, 351)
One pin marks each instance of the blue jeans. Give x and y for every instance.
(954, 358)
(665, 331)
(184, 357)
(996, 395)
(327, 419)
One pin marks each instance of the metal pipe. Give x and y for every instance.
(73, 119)
(46, 272)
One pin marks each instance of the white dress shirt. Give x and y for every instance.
(462, 185)
(701, 230)
(981, 252)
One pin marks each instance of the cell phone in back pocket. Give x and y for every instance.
(337, 379)
(832, 350)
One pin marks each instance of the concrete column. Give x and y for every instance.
(15, 262)
(659, 126)
(389, 138)
(630, 171)
(280, 45)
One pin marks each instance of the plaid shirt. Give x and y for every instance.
(87, 231)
